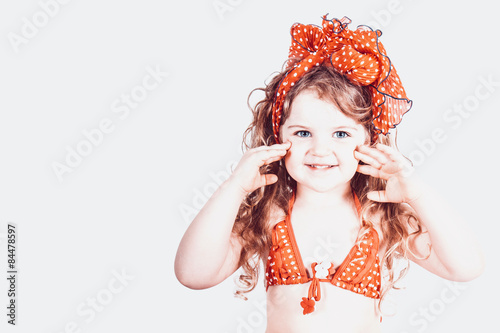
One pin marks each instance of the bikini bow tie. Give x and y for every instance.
(359, 55)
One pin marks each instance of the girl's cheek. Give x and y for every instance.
(346, 150)
(347, 145)
(289, 137)
(299, 147)
(296, 152)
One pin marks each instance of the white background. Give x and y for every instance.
(122, 209)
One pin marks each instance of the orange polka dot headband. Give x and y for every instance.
(359, 55)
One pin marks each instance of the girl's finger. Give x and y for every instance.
(387, 149)
(262, 157)
(378, 196)
(393, 154)
(371, 171)
(274, 158)
(273, 148)
(285, 145)
(367, 159)
(266, 148)
(367, 170)
(268, 179)
(266, 153)
(374, 153)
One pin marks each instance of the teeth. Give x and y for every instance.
(320, 166)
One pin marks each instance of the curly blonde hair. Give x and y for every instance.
(253, 222)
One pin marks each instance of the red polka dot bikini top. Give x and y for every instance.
(359, 272)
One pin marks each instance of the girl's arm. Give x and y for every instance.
(455, 252)
(209, 252)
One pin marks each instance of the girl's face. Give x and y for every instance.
(323, 139)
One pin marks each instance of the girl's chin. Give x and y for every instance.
(323, 181)
(323, 187)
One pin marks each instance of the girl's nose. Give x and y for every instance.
(321, 147)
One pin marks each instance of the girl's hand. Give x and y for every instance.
(387, 163)
(247, 173)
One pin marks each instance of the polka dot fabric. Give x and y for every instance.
(357, 54)
(359, 272)
(282, 264)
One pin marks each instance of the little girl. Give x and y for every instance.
(322, 166)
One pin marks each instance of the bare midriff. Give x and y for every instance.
(338, 311)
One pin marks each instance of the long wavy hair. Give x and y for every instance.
(254, 223)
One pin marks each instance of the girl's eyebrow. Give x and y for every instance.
(333, 128)
(352, 128)
(300, 126)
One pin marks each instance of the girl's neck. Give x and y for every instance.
(321, 200)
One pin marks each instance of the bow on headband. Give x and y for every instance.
(359, 55)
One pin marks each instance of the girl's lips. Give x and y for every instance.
(320, 166)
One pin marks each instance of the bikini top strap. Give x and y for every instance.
(356, 202)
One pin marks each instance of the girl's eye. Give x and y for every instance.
(341, 135)
(303, 134)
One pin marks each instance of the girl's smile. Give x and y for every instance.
(321, 166)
